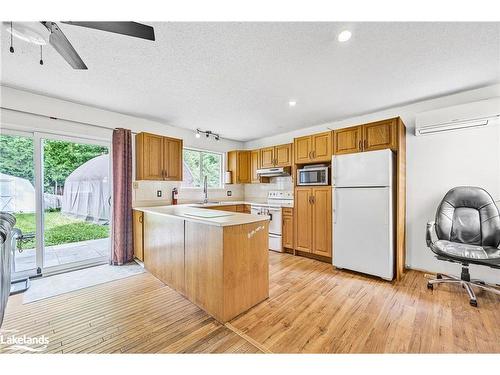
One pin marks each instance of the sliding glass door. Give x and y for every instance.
(75, 199)
(58, 188)
(17, 196)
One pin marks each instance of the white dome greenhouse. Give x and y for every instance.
(86, 191)
(16, 194)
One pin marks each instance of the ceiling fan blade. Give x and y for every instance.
(61, 44)
(134, 29)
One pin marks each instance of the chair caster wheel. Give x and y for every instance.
(473, 303)
(430, 286)
(439, 276)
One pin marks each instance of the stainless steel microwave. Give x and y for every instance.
(313, 175)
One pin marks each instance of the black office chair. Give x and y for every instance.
(468, 230)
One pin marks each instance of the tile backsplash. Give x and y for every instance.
(260, 191)
(144, 193)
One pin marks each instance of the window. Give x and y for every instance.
(197, 164)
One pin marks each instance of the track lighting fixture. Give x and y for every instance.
(207, 133)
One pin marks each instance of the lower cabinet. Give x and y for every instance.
(287, 229)
(313, 220)
(138, 234)
(164, 249)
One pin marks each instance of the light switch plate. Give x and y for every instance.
(135, 185)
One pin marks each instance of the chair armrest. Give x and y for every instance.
(428, 235)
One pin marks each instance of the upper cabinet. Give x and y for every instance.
(313, 148)
(239, 163)
(254, 165)
(379, 135)
(276, 156)
(348, 140)
(368, 137)
(158, 158)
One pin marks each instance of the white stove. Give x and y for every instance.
(275, 201)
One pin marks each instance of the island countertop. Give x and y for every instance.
(203, 215)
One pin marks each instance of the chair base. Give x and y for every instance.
(466, 282)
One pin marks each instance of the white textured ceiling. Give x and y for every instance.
(237, 78)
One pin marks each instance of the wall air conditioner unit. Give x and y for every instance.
(470, 115)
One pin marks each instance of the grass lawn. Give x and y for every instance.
(60, 229)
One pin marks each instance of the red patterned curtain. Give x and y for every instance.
(121, 233)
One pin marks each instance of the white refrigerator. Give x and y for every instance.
(363, 233)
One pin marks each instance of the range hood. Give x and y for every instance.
(274, 172)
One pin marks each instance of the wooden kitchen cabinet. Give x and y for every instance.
(287, 228)
(303, 219)
(158, 158)
(379, 135)
(254, 165)
(239, 163)
(321, 147)
(138, 234)
(313, 148)
(348, 140)
(322, 221)
(368, 137)
(267, 157)
(276, 156)
(173, 159)
(164, 249)
(302, 148)
(283, 155)
(313, 220)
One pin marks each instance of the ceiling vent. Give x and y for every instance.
(470, 115)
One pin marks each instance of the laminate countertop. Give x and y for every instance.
(196, 213)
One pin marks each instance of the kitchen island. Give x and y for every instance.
(216, 259)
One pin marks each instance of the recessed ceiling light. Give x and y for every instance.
(344, 36)
(292, 103)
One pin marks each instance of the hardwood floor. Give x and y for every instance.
(312, 309)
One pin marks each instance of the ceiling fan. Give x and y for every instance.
(61, 44)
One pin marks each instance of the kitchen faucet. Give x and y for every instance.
(205, 189)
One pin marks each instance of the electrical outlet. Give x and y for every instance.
(135, 185)
(158, 193)
(229, 193)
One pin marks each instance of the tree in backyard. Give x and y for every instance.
(60, 158)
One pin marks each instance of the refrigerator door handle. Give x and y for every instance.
(335, 206)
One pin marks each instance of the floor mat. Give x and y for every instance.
(50, 286)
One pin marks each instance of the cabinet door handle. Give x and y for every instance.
(140, 219)
(366, 143)
(360, 145)
(314, 153)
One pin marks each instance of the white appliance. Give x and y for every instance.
(469, 115)
(363, 213)
(313, 175)
(272, 208)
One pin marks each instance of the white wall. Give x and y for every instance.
(22, 110)
(435, 163)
